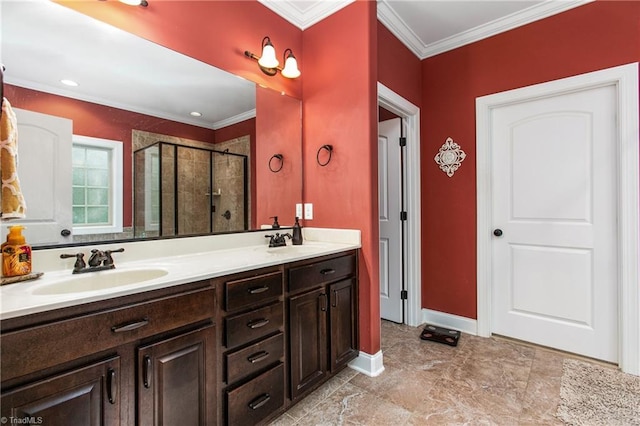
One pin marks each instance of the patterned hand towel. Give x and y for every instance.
(13, 204)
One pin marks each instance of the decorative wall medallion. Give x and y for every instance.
(450, 157)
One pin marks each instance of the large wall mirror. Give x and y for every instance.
(197, 144)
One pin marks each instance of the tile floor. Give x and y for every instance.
(482, 381)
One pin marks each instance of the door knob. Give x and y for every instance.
(497, 232)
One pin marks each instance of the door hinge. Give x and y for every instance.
(403, 215)
(403, 294)
(403, 141)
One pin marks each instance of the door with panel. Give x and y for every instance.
(554, 208)
(390, 206)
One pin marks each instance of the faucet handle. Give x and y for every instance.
(80, 264)
(108, 261)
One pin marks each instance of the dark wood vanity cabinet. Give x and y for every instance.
(322, 320)
(144, 359)
(81, 396)
(173, 381)
(252, 356)
(234, 350)
(285, 330)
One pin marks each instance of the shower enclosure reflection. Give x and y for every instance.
(189, 190)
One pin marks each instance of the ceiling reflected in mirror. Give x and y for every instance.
(40, 48)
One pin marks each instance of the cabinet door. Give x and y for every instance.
(84, 396)
(308, 339)
(176, 380)
(342, 324)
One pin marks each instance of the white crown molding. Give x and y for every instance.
(531, 14)
(235, 119)
(399, 28)
(303, 19)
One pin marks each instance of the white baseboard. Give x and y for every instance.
(370, 365)
(442, 319)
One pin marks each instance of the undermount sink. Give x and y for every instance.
(102, 280)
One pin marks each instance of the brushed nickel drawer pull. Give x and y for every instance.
(258, 356)
(328, 271)
(258, 290)
(259, 401)
(258, 323)
(130, 326)
(112, 390)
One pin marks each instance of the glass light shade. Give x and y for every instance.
(291, 68)
(268, 58)
(132, 2)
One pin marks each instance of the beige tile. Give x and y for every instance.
(468, 403)
(309, 403)
(482, 381)
(406, 388)
(352, 405)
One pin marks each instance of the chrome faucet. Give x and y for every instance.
(99, 261)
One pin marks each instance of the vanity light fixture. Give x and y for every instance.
(269, 64)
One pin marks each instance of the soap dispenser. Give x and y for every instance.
(16, 253)
(296, 240)
(275, 225)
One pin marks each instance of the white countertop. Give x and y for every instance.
(197, 258)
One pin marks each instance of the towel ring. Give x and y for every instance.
(278, 157)
(328, 148)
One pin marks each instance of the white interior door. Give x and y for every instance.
(44, 169)
(554, 266)
(390, 204)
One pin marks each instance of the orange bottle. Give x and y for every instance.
(16, 253)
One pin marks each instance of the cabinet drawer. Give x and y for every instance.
(244, 328)
(88, 334)
(251, 291)
(309, 276)
(243, 363)
(257, 399)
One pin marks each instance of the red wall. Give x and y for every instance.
(280, 130)
(340, 108)
(398, 68)
(588, 38)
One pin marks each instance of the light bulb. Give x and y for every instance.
(268, 58)
(291, 67)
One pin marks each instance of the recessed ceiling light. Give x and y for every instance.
(69, 82)
(196, 114)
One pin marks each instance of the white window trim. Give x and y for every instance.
(116, 184)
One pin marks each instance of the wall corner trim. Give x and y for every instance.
(370, 365)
